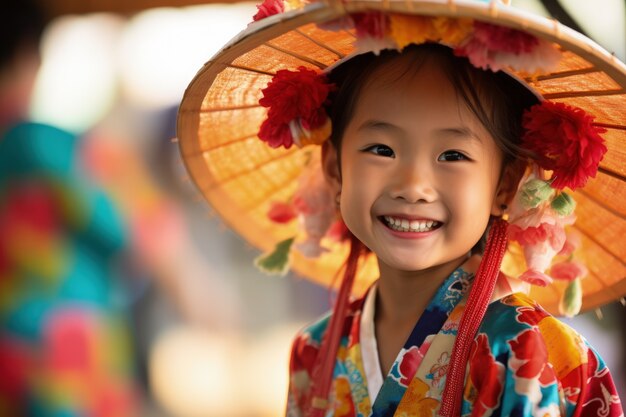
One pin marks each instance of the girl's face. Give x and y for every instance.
(419, 173)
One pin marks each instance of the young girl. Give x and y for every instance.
(435, 153)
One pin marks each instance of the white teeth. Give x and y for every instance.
(404, 225)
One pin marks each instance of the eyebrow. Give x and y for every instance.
(452, 132)
(459, 132)
(380, 125)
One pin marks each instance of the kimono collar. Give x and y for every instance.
(369, 349)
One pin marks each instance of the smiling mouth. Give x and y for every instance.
(406, 225)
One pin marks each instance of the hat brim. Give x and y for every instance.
(241, 176)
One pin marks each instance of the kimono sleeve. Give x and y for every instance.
(591, 391)
(304, 352)
(527, 363)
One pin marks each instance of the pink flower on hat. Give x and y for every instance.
(568, 270)
(572, 242)
(497, 47)
(540, 231)
(565, 141)
(293, 96)
(316, 208)
(268, 8)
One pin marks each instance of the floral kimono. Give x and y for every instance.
(523, 361)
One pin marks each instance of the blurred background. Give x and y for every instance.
(121, 293)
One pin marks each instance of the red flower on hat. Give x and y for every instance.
(370, 24)
(565, 141)
(293, 96)
(503, 39)
(268, 8)
(280, 212)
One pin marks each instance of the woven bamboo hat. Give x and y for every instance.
(241, 176)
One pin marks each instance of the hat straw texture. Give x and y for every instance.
(241, 176)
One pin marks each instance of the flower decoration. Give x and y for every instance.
(496, 47)
(405, 29)
(453, 31)
(295, 100)
(268, 8)
(565, 145)
(486, 45)
(565, 141)
(568, 270)
(314, 207)
(280, 212)
(538, 227)
(371, 31)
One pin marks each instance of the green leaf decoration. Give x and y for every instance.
(572, 299)
(563, 204)
(535, 192)
(277, 261)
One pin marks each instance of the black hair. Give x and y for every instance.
(496, 98)
(22, 23)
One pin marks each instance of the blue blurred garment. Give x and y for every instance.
(64, 342)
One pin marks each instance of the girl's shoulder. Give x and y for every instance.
(539, 359)
(519, 327)
(308, 340)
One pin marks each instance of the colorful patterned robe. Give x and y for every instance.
(523, 362)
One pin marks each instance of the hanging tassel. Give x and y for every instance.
(477, 302)
(325, 364)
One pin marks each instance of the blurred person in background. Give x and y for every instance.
(64, 342)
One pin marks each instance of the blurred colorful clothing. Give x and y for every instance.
(523, 362)
(64, 341)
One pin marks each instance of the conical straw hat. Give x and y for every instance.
(241, 176)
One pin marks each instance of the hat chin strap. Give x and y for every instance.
(476, 305)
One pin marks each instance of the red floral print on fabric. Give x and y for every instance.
(600, 398)
(303, 355)
(268, 8)
(293, 96)
(487, 376)
(565, 141)
(529, 315)
(530, 365)
(408, 365)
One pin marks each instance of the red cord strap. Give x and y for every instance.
(325, 364)
(477, 302)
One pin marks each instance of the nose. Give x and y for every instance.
(413, 183)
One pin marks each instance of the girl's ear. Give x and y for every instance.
(330, 166)
(509, 180)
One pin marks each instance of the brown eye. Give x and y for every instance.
(380, 150)
(451, 156)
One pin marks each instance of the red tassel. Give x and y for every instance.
(323, 371)
(477, 302)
